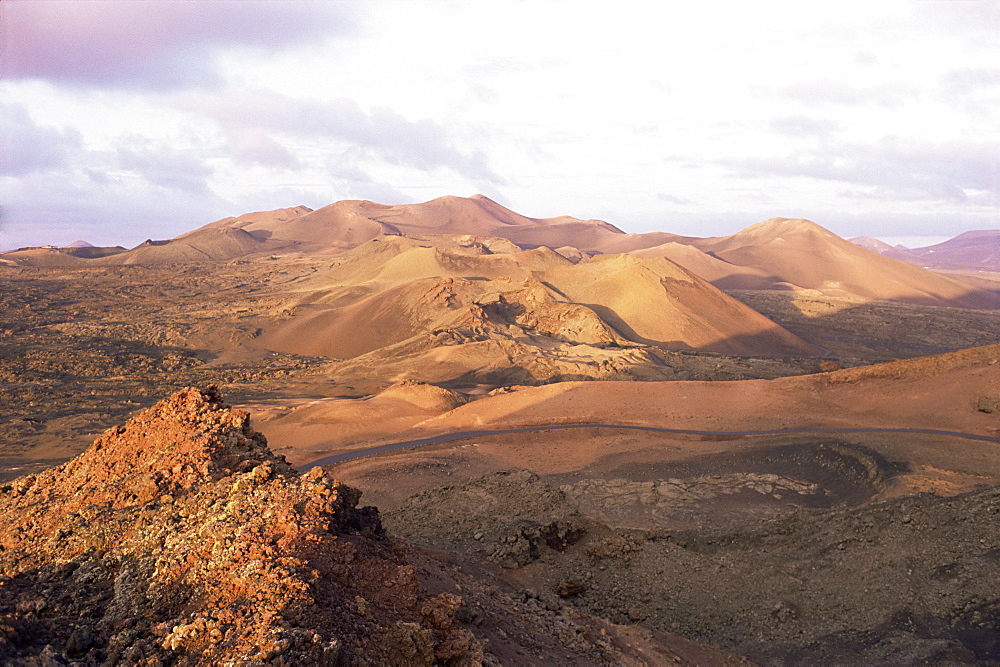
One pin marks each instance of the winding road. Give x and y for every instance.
(464, 435)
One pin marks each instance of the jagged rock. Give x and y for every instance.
(180, 538)
(569, 588)
(561, 534)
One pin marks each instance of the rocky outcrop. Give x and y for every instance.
(179, 538)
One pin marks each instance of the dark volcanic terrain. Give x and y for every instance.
(909, 580)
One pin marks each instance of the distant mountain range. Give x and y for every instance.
(781, 253)
(977, 250)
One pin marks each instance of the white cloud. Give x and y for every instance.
(971, 81)
(802, 125)
(892, 94)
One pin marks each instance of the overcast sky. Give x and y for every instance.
(121, 121)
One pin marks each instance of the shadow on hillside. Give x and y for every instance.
(857, 334)
(877, 330)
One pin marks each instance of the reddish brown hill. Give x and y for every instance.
(720, 273)
(216, 244)
(181, 537)
(222, 240)
(348, 223)
(656, 301)
(261, 218)
(45, 256)
(977, 250)
(398, 291)
(637, 242)
(803, 254)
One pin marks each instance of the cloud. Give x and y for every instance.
(804, 126)
(424, 143)
(254, 146)
(168, 168)
(673, 199)
(50, 207)
(970, 80)
(26, 147)
(382, 133)
(351, 181)
(865, 58)
(162, 45)
(828, 91)
(963, 18)
(959, 171)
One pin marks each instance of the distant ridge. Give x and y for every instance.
(349, 223)
(976, 250)
(780, 253)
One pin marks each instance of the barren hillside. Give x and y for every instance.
(179, 537)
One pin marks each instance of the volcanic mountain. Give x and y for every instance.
(720, 273)
(346, 224)
(199, 246)
(883, 248)
(438, 311)
(977, 250)
(732, 511)
(801, 254)
(776, 254)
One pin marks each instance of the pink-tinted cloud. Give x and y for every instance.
(251, 145)
(804, 126)
(51, 207)
(159, 45)
(26, 147)
(168, 168)
(959, 171)
(970, 80)
(382, 133)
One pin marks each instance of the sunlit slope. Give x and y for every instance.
(413, 297)
(801, 253)
(956, 391)
(656, 301)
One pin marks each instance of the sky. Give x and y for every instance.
(122, 121)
